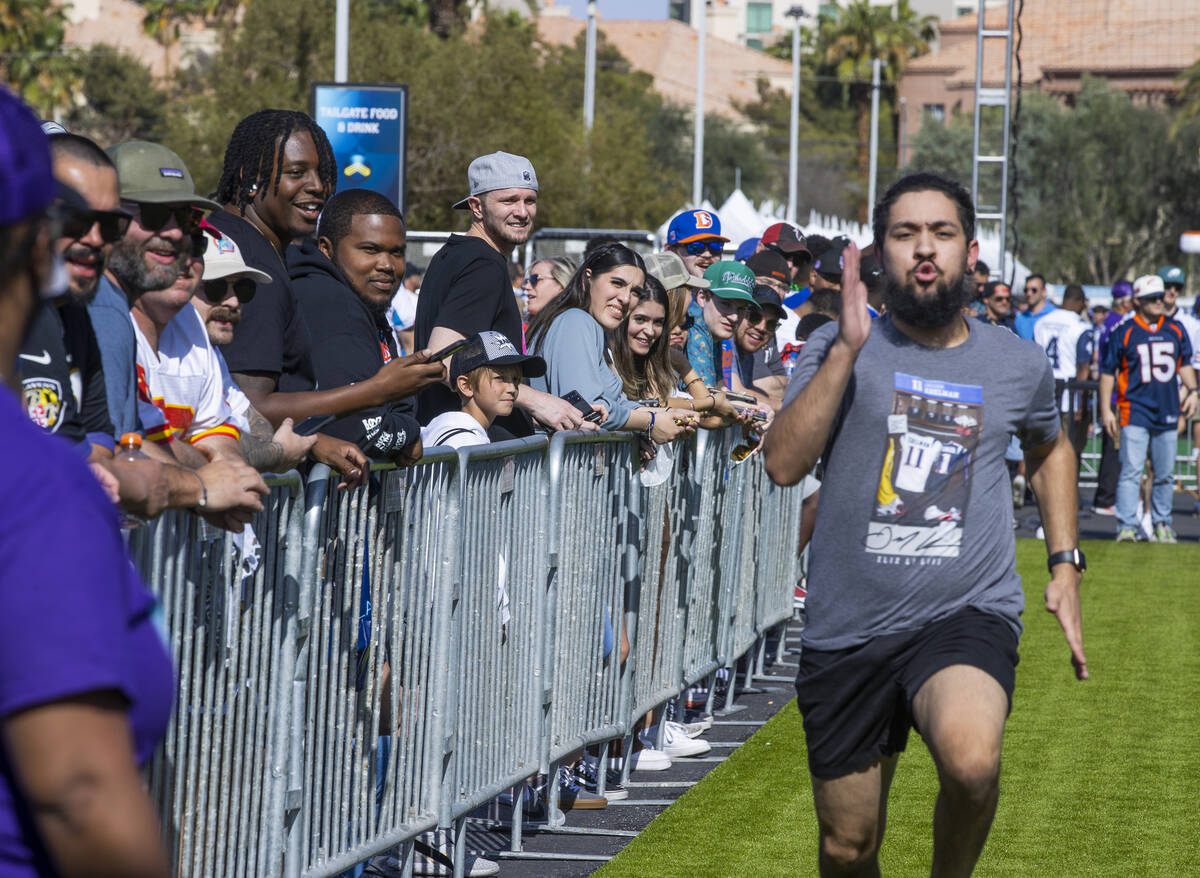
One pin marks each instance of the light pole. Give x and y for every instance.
(875, 65)
(341, 41)
(589, 69)
(700, 10)
(796, 13)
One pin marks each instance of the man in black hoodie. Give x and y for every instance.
(344, 282)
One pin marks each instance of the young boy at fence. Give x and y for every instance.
(486, 375)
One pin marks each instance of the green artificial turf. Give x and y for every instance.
(1100, 778)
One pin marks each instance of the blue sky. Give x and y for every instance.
(617, 9)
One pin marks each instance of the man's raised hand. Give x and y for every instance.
(854, 324)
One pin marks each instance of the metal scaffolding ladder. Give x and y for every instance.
(989, 211)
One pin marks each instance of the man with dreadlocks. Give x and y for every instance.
(279, 171)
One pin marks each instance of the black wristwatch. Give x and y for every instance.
(1070, 556)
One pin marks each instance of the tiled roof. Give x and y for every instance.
(667, 51)
(1131, 37)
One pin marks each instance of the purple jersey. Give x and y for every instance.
(74, 617)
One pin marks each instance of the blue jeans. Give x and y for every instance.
(1135, 441)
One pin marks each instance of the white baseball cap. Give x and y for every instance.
(223, 258)
(1148, 285)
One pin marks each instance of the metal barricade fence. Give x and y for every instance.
(779, 567)
(406, 651)
(374, 664)
(497, 624)
(743, 519)
(701, 644)
(218, 781)
(594, 538)
(668, 525)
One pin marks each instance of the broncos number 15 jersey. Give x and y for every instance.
(1145, 361)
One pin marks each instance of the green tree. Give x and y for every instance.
(494, 87)
(1103, 189)
(855, 35)
(120, 99)
(33, 61)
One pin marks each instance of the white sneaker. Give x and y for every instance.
(649, 759)
(439, 864)
(699, 727)
(676, 743)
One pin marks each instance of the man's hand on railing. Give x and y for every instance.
(233, 490)
(294, 448)
(343, 457)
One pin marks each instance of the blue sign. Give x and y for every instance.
(366, 125)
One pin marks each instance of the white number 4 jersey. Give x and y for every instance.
(1058, 335)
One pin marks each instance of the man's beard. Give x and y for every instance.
(500, 231)
(952, 294)
(83, 290)
(128, 264)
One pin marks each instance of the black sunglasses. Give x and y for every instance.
(695, 248)
(217, 291)
(77, 223)
(1155, 297)
(152, 217)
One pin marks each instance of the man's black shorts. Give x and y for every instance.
(857, 702)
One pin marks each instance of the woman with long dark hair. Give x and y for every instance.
(639, 348)
(569, 334)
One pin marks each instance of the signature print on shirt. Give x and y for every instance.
(924, 483)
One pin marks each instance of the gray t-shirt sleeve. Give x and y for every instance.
(1042, 420)
(574, 352)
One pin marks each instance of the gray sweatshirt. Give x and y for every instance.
(575, 354)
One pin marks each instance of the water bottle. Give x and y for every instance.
(129, 449)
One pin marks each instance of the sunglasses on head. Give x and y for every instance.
(77, 223)
(152, 217)
(217, 291)
(695, 248)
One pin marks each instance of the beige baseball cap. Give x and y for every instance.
(669, 270)
(223, 258)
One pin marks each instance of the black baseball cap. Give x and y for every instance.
(829, 263)
(767, 299)
(492, 348)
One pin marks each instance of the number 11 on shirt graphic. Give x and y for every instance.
(924, 484)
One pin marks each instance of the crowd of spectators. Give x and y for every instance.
(184, 344)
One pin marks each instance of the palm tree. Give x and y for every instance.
(1189, 97)
(858, 33)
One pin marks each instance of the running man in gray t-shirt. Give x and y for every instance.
(914, 601)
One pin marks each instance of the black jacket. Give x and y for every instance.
(348, 345)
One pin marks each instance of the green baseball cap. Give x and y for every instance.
(1172, 274)
(731, 280)
(151, 173)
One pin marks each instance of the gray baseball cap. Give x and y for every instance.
(152, 174)
(668, 269)
(500, 170)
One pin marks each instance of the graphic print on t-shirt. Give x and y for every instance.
(921, 503)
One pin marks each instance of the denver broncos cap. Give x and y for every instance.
(694, 225)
